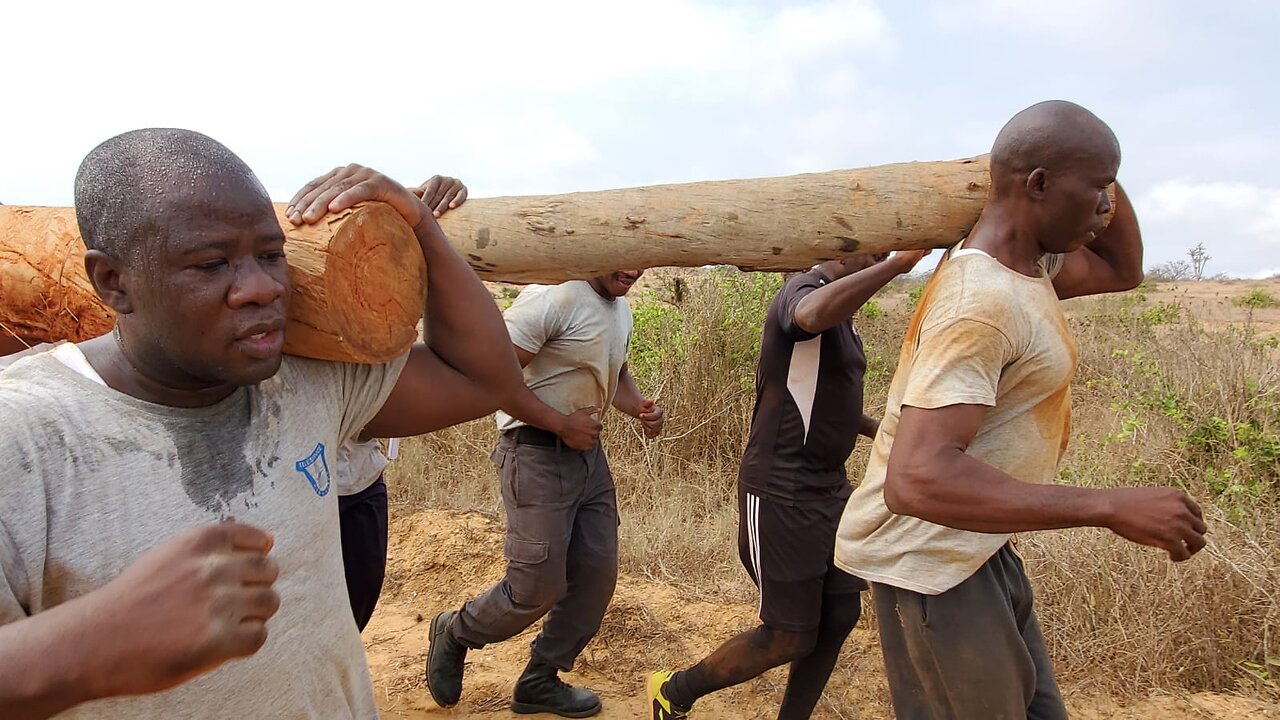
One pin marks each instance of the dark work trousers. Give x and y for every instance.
(561, 549)
(363, 519)
(974, 652)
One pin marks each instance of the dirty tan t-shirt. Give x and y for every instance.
(985, 335)
(579, 340)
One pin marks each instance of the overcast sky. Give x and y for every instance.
(546, 97)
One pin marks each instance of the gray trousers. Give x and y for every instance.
(561, 550)
(974, 652)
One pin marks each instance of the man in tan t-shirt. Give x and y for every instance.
(978, 415)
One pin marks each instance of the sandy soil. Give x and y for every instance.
(437, 559)
(1211, 302)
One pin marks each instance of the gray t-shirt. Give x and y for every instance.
(580, 341)
(91, 478)
(360, 462)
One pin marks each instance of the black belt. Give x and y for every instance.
(530, 435)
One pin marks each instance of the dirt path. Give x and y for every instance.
(437, 559)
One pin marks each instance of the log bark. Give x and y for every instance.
(357, 296)
(786, 223)
(358, 282)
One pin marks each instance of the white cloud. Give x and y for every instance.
(1238, 207)
(813, 29)
(1079, 24)
(1238, 222)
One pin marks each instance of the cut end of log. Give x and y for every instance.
(374, 281)
(51, 300)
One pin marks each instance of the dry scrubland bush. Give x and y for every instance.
(1161, 400)
(1257, 299)
(1158, 400)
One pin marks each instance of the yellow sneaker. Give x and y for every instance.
(663, 709)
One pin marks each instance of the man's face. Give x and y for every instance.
(1077, 203)
(210, 297)
(619, 283)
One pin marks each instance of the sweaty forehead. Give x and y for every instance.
(130, 184)
(220, 191)
(182, 224)
(208, 200)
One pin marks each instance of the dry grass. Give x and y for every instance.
(1158, 400)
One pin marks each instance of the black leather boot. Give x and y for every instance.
(445, 657)
(540, 690)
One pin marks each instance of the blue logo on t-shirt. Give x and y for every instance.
(316, 468)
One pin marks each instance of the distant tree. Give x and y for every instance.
(1171, 271)
(1199, 258)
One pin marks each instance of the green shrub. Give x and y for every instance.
(1256, 299)
(1162, 313)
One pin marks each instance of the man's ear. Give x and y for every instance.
(107, 275)
(1038, 183)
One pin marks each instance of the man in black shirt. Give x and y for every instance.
(792, 489)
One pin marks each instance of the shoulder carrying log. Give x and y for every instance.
(358, 278)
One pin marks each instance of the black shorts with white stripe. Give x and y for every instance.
(788, 548)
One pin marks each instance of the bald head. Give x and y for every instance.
(1056, 135)
(127, 186)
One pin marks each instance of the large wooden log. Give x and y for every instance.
(786, 223)
(358, 282)
(359, 279)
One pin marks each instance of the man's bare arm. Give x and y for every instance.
(631, 401)
(42, 668)
(868, 426)
(465, 332)
(628, 397)
(182, 609)
(931, 477)
(578, 430)
(835, 302)
(1111, 263)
